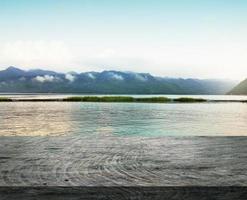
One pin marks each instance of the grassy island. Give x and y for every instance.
(101, 99)
(189, 100)
(2, 99)
(112, 99)
(132, 99)
(118, 99)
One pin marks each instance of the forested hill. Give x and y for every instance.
(240, 89)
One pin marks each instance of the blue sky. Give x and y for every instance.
(179, 38)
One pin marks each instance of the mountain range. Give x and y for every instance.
(15, 80)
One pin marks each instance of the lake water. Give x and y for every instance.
(74, 143)
(122, 119)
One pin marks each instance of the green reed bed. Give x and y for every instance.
(153, 100)
(118, 99)
(101, 99)
(132, 99)
(114, 99)
(3, 99)
(189, 100)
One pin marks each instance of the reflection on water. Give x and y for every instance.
(35, 119)
(75, 118)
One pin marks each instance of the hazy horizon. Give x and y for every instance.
(180, 38)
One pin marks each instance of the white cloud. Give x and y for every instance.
(39, 79)
(46, 78)
(140, 77)
(90, 75)
(106, 53)
(70, 77)
(117, 77)
(35, 53)
(22, 79)
(209, 59)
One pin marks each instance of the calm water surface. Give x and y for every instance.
(130, 119)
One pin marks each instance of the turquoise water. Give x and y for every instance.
(122, 119)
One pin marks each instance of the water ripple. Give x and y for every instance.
(129, 161)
